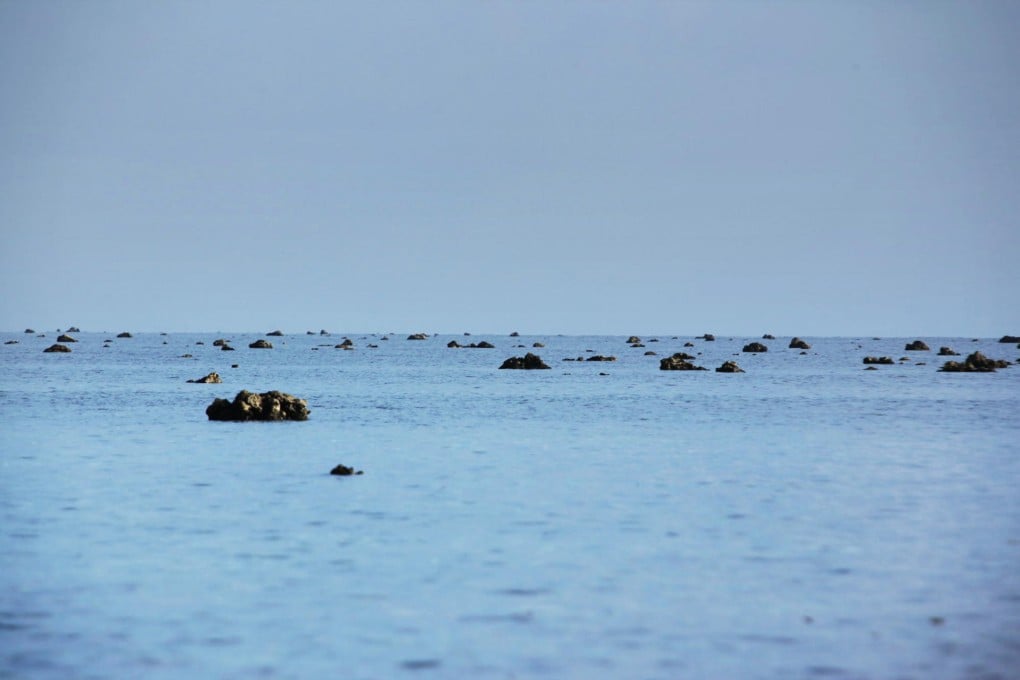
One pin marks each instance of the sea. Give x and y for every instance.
(807, 518)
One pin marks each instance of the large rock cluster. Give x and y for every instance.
(678, 362)
(974, 363)
(266, 406)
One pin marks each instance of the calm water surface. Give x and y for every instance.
(806, 519)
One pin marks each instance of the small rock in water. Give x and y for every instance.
(344, 471)
(57, 348)
(528, 362)
(212, 378)
(916, 346)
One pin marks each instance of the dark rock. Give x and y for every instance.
(323, 332)
(199, 343)
(688, 344)
(515, 334)
(729, 367)
(74, 329)
(212, 378)
(707, 337)
(870, 368)
(344, 471)
(347, 342)
(677, 362)
(219, 342)
(528, 362)
(797, 343)
(649, 353)
(57, 348)
(29, 330)
(266, 406)
(755, 347)
(654, 340)
(599, 357)
(66, 338)
(768, 336)
(226, 348)
(416, 336)
(187, 356)
(947, 352)
(633, 340)
(537, 345)
(974, 363)
(1005, 338)
(453, 344)
(261, 344)
(878, 360)
(11, 342)
(309, 332)
(234, 365)
(125, 334)
(637, 344)
(482, 345)
(274, 334)
(916, 346)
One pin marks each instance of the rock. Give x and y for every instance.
(688, 344)
(916, 346)
(677, 362)
(416, 336)
(707, 337)
(537, 345)
(768, 336)
(755, 347)
(797, 343)
(248, 406)
(633, 340)
(482, 345)
(29, 330)
(57, 348)
(11, 342)
(209, 379)
(344, 471)
(515, 334)
(870, 368)
(199, 343)
(275, 334)
(323, 332)
(346, 343)
(650, 353)
(187, 356)
(599, 357)
(453, 344)
(234, 365)
(1006, 338)
(66, 338)
(878, 360)
(528, 362)
(637, 344)
(654, 340)
(729, 367)
(261, 344)
(125, 334)
(226, 348)
(974, 363)
(74, 329)
(948, 352)
(219, 342)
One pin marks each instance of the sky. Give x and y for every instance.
(799, 168)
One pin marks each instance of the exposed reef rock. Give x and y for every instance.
(768, 336)
(219, 342)
(729, 367)
(1005, 338)
(344, 471)
(537, 345)
(633, 340)
(57, 348)
(527, 362)
(212, 378)
(346, 343)
(11, 342)
(974, 363)
(916, 346)
(261, 344)
(755, 347)
(66, 338)
(275, 334)
(74, 329)
(226, 348)
(797, 343)
(417, 336)
(707, 337)
(677, 362)
(266, 406)
(29, 330)
(878, 360)
(948, 352)
(599, 357)
(125, 334)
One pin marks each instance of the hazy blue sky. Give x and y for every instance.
(813, 168)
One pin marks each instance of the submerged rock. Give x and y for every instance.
(974, 363)
(344, 471)
(11, 342)
(261, 344)
(528, 362)
(878, 360)
(226, 348)
(57, 348)
(729, 367)
(678, 362)
(248, 406)
(916, 346)
(755, 347)
(797, 343)
(212, 378)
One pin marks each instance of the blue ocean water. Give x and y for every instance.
(805, 519)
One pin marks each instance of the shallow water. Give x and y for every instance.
(806, 519)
